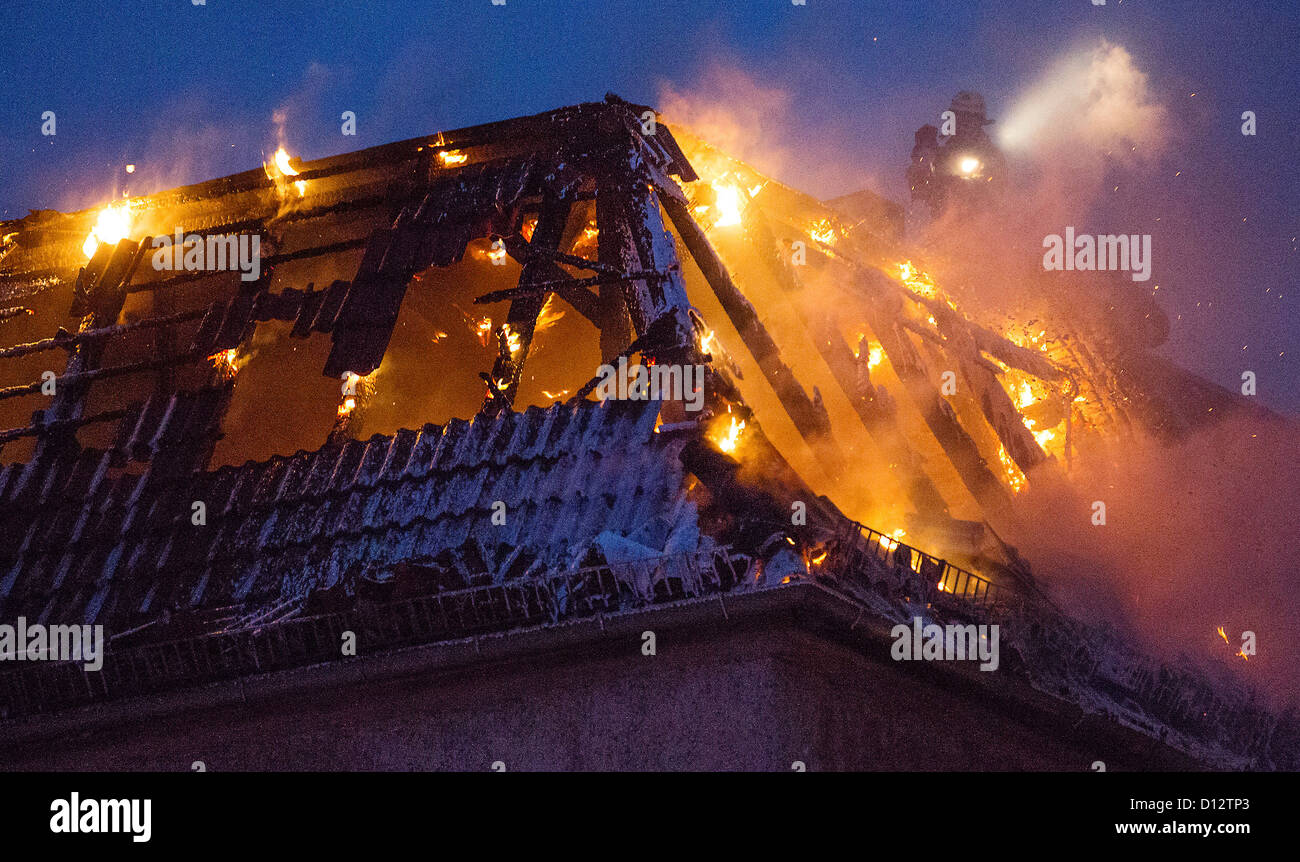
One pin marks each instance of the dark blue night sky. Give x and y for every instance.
(188, 92)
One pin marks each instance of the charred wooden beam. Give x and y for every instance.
(98, 297)
(851, 372)
(521, 319)
(808, 414)
(68, 340)
(39, 428)
(1001, 413)
(541, 288)
(72, 379)
(920, 384)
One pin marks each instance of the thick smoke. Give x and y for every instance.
(1199, 533)
(761, 125)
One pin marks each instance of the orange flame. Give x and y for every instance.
(111, 226)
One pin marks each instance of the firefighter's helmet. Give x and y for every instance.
(970, 102)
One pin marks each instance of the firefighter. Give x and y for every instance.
(967, 167)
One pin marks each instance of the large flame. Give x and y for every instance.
(728, 203)
(112, 226)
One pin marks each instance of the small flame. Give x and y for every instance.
(730, 439)
(225, 362)
(1222, 635)
(555, 396)
(282, 163)
(1015, 478)
(451, 158)
(891, 541)
(707, 341)
(549, 315)
(483, 329)
(301, 187)
(513, 339)
(875, 352)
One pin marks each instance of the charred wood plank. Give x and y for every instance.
(908, 364)
(69, 340)
(70, 379)
(873, 409)
(808, 414)
(524, 308)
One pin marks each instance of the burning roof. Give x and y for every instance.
(224, 452)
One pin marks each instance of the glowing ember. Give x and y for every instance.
(111, 226)
(822, 231)
(1222, 635)
(513, 339)
(483, 329)
(1014, 477)
(225, 362)
(526, 229)
(918, 281)
(556, 396)
(451, 158)
(349, 400)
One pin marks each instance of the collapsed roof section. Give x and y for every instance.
(124, 517)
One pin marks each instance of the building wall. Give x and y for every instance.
(734, 687)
